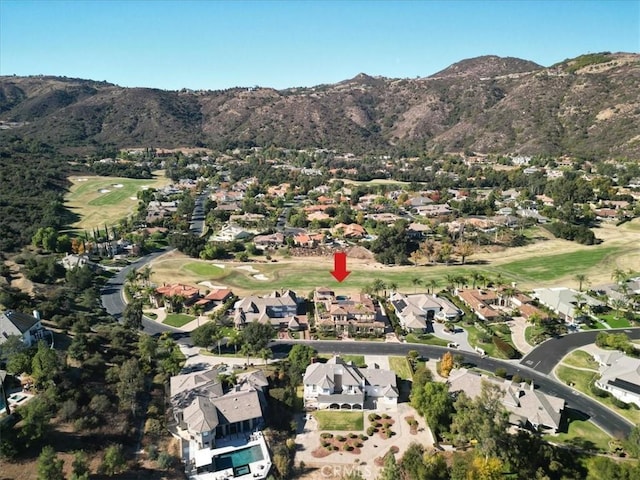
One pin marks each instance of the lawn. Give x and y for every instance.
(556, 266)
(580, 379)
(337, 420)
(178, 319)
(579, 432)
(101, 201)
(489, 348)
(530, 332)
(358, 360)
(426, 339)
(614, 321)
(204, 269)
(580, 359)
(400, 366)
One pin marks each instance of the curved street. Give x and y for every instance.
(537, 365)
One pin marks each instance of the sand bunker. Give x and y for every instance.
(104, 190)
(81, 179)
(260, 277)
(248, 268)
(208, 284)
(117, 185)
(219, 265)
(133, 198)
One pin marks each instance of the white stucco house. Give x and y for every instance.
(28, 327)
(416, 312)
(619, 376)
(340, 385)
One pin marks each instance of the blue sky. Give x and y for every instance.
(221, 44)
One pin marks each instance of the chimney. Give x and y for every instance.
(36, 314)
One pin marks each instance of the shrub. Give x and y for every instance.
(348, 447)
(385, 416)
(505, 348)
(340, 438)
(516, 378)
(353, 435)
(326, 435)
(501, 372)
(371, 431)
(363, 437)
(394, 449)
(152, 452)
(373, 417)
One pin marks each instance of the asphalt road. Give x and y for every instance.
(600, 415)
(113, 300)
(548, 354)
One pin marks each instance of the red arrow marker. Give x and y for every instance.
(339, 271)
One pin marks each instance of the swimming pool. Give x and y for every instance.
(239, 459)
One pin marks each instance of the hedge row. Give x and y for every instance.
(505, 348)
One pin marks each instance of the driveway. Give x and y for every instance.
(460, 336)
(518, 326)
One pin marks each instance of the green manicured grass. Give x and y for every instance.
(489, 348)
(151, 315)
(337, 420)
(580, 379)
(89, 198)
(177, 319)
(358, 360)
(580, 359)
(555, 266)
(579, 432)
(204, 269)
(426, 339)
(614, 322)
(530, 332)
(400, 365)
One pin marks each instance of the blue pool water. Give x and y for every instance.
(238, 459)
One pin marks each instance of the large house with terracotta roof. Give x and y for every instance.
(354, 314)
(175, 295)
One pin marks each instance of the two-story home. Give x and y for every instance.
(340, 385)
(354, 314)
(620, 376)
(27, 327)
(416, 312)
(276, 309)
(528, 407)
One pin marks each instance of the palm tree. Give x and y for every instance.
(247, 350)
(431, 285)
(618, 304)
(476, 278)
(145, 274)
(415, 281)
(378, 285)
(266, 354)
(393, 287)
(581, 278)
(217, 337)
(619, 275)
(234, 339)
(450, 279)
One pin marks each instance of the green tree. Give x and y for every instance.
(391, 470)
(80, 466)
(113, 461)
(435, 404)
(483, 419)
(632, 444)
(416, 282)
(132, 315)
(45, 365)
(265, 354)
(257, 335)
(36, 416)
(299, 357)
(49, 465)
(130, 385)
(581, 278)
(147, 347)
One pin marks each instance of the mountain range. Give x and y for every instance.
(587, 107)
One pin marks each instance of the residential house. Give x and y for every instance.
(438, 210)
(229, 233)
(277, 309)
(271, 240)
(340, 385)
(215, 297)
(619, 376)
(416, 312)
(528, 407)
(353, 315)
(27, 327)
(308, 240)
(175, 295)
(569, 304)
(71, 261)
(352, 230)
(481, 302)
(213, 422)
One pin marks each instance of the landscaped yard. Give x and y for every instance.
(337, 420)
(615, 321)
(400, 365)
(580, 379)
(580, 359)
(358, 360)
(474, 335)
(580, 432)
(426, 339)
(178, 319)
